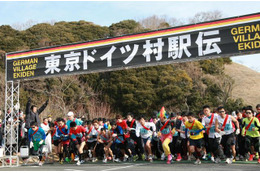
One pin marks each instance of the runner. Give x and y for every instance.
(118, 146)
(37, 137)
(105, 140)
(164, 132)
(157, 149)
(62, 134)
(251, 126)
(223, 126)
(240, 142)
(77, 134)
(95, 148)
(183, 137)
(131, 128)
(146, 130)
(175, 145)
(196, 136)
(91, 139)
(71, 118)
(213, 137)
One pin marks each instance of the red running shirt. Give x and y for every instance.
(122, 124)
(78, 132)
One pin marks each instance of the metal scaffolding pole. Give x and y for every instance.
(10, 156)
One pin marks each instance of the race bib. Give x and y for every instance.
(165, 131)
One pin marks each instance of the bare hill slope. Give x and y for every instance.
(247, 83)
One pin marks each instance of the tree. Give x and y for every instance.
(125, 27)
(206, 16)
(155, 22)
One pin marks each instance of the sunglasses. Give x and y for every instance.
(221, 111)
(33, 127)
(248, 112)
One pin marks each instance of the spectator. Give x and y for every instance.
(32, 114)
(49, 117)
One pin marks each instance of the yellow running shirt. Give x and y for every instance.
(196, 126)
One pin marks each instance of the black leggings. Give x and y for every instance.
(215, 148)
(241, 145)
(175, 145)
(184, 147)
(252, 141)
(139, 149)
(227, 141)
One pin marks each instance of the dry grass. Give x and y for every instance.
(247, 83)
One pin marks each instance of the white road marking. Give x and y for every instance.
(121, 167)
(72, 170)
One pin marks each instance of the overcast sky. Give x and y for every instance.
(107, 12)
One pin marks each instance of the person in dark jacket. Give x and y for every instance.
(32, 113)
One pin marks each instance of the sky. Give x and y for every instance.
(105, 13)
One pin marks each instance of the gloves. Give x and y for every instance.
(114, 135)
(41, 142)
(31, 144)
(237, 131)
(222, 133)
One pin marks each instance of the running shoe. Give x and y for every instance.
(169, 159)
(143, 157)
(150, 158)
(76, 158)
(117, 160)
(104, 160)
(67, 160)
(82, 161)
(204, 157)
(251, 157)
(78, 163)
(94, 159)
(241, 157)
(229, 160)
(217, 160)
(162, 156)
(178, 157)
(189, 158)
(125, 158)
(197, 162)
(135, 157)
(61, 162)
(212, 159)
(257, 155)
(40, 163)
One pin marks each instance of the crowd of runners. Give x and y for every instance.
(210, 135)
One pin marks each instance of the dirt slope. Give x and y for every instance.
(247, 83)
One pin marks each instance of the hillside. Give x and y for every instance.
(247, 83)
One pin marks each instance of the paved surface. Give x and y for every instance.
(141, 166)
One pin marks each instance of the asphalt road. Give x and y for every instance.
(140, 166)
